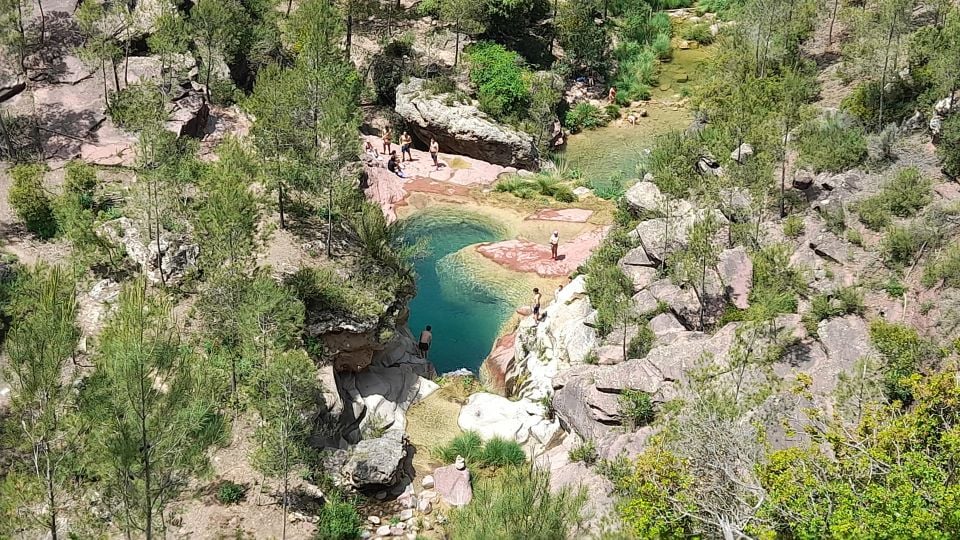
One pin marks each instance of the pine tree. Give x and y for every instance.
(218, 28)
(148, 410)
(694, 264)
(39, 346)
(466, 16)
(291, 392)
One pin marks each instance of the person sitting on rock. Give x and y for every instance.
(393, 165)
(370, 150)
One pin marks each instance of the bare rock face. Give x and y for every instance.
(736, 272)
(189, 116)
(377, 462)
(463, 129)
(11, 84)
(166, 261)
(521, 421)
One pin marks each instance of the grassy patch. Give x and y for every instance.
(495, 453)
(832, 144)
(845, 301)
(904, 352)
(903, 196)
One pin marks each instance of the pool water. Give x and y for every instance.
(466, 315)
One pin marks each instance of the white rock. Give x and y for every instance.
(427, 482)
(406, 514)
(374, 520)
(383, 530)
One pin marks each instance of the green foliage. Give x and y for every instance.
(699, 32)
(583, 116)
(499, 77)
(541, 185)
(137, 107)
(29, 200)
(831, 144)
(498, 452)
(843, 301)
(637, 71)
(661, 47)
(776, 284)
(904, 353)
(647, 489)
(585, 452)
(863, 103)
(672, 161)
(387, 69)
(903, 195)
(636, 408)
(584, 42)
(321, 289)
(339, 520)
(641, 343)
(946, 267)
(495, 453)
(894, 287)
(949, 147)
(793, 226)
(230, 492)
(901, 244)
(854, 237)
(517, 503)
(607, 286)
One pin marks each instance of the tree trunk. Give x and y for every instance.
(289, 6)
(833, 19)
(51, 491)
(116, 78)
(283, 221)
(349, 37)
(5, 133)
(456, 50)
(883, 75)
(43, 32)
(329, 218)
(145, 454)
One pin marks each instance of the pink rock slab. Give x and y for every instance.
(528, 257)
(499, 362)
(569, 215)
(461, 170)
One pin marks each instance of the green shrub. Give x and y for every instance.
(793, 226)
(583, 116)
(901, 244)
(904, 352)
(641, 343)
(387, 72)
(541, 185)
(699, 32)
(517, 503)
(498, 452)
(854, 237)
(874, 212)
(945, 267)
(636, 72)
(137, 106)
(907, 192)
(339, 520)
(831, 144)
(30, 201)
(949, 146)
(468, 444)
(563, 193)
(80, 177)
(894, 287)
(230, 492)
(661, 47)
(585, 453)
(322, 289)
(636, 408)
(672, 161)
(844, 301)
(499, 77)
(612, 111)
(864, 102)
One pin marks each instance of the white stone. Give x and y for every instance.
(374, 520)
(427, 482)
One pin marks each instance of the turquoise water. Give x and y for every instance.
(466, 317)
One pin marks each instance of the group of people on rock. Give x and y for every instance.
(395, 162)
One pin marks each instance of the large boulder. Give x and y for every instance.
(189, 115)
(453, 485)
(521, 421)
(375, 463)
(736, 272)
(175, 253)
(463, 129)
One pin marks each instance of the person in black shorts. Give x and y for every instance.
(426, 337)
(536, 305)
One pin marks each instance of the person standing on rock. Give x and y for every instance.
(554, 244)
(426, 337)
(405, 142)
(612, 96)
(434, 151)
(536, 305)
(387, 136)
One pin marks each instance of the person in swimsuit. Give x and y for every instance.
(434, 150)
(554, 242)
(393, 165)
(387, 136)
(405, 142)
(426, 337)
(536, 305)
(612, 96)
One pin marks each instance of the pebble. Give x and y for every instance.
(406, 514)
(427, 482)
(383, 530)
(374, 519)
(425, 506)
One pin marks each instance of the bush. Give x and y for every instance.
(518, 503)
(612, 111)
(901, 244)
(874, 212)
(641, 343)
(903, 195)
(585, 453)
(864, 102)
(672, 161)
(584, 116)
(845, 301)
(500, 452)
(946, 267)
(30, 201)
(793, 226)
(563, 193)
(636, 72)
(831, 144)
(904, 352)
(387, 71)
(699, 32)
(636, 409)
(542, 185)
(230, 492)
(137, 106)
(949, 146)
(661, 47)
(468, 444)
(339, 520)
(499, 76)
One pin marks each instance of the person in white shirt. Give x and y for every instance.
(554, 242)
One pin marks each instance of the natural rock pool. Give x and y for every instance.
(465, 312)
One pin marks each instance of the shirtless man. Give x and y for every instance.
(536, 305)
(387, 136)
(434, 150)
(426, 337)
(554, 242)
(405, 142)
